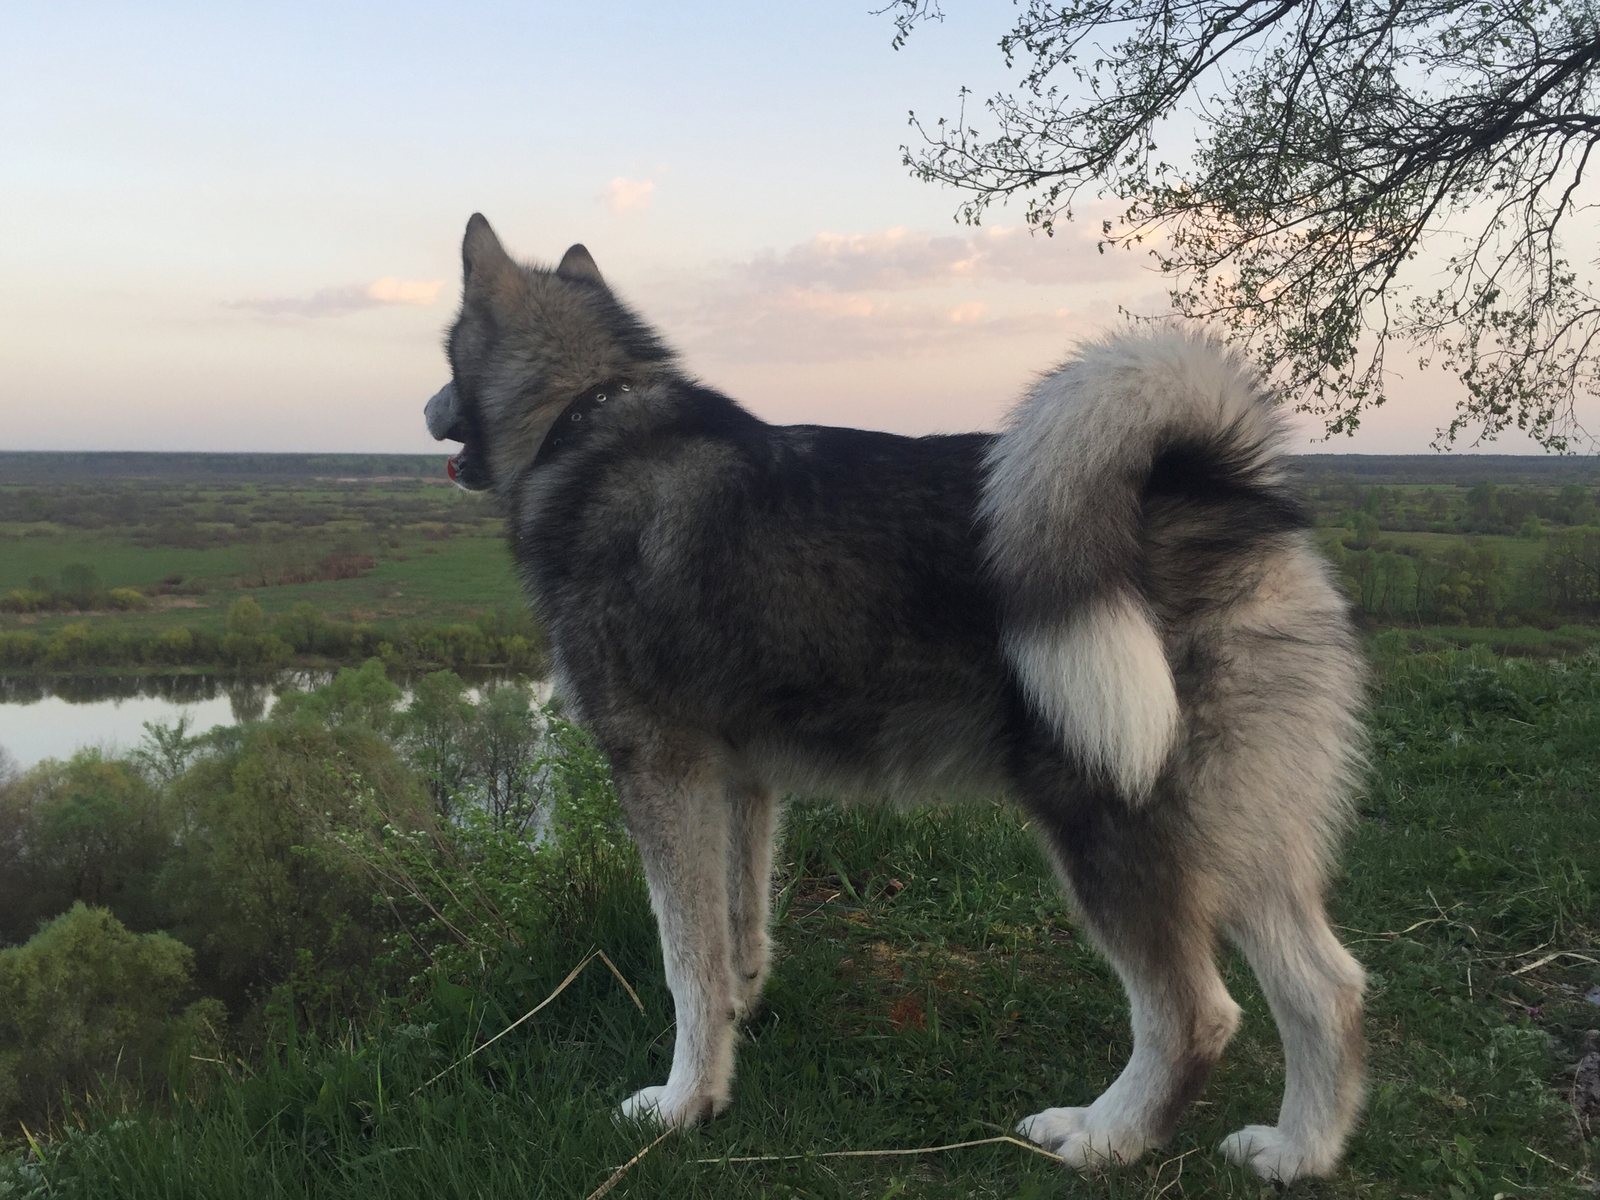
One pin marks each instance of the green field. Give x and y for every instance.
(418, 553)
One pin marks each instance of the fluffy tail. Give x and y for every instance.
(1135, 435)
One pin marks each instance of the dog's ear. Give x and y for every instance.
(481, 252)
(576, 264)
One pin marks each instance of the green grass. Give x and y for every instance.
(46, 549)
(931, 988)
(1523, 641)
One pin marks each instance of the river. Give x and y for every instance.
(51, 716)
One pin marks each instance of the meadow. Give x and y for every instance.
(125, 562)
(133, 562)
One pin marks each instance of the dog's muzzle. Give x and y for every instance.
(447, 422)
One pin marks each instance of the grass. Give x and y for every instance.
(1523, 641)
(931, 988)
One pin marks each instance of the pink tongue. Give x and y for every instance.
(450, 467)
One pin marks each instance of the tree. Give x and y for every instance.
(358, 697)
(257, 885)
(1333, 139)
(433, 732)
(504, 741)
(88, 829)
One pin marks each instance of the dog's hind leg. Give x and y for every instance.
(678, 814)
(753, 820)
(1314, 988)
(1269, 769)
(1150, 914)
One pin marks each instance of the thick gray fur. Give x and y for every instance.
(1111, 613)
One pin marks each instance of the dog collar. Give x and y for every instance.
(576, 419)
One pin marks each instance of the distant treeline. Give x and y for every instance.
(1460, 470)
(57, 466)
(62, 466)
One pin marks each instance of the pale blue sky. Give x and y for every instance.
(231, 227)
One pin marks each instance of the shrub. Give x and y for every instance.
(174, 646)
(245, 618)
(85, 999)
(362, 697)
(80, 582)
(127, 599)
(70, 645)
(433, 734)
(18, 649)
(301, 627)
(24, 600)
(471, 892)
(88, 829)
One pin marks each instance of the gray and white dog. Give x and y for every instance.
(1110, 612)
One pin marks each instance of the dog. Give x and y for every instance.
(1111, 612)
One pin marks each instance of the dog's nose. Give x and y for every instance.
(443, 413)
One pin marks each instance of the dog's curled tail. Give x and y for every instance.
(1138, 439)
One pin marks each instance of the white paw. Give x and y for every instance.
(1270, 1154)
(1081, 1140)
(658, 1106)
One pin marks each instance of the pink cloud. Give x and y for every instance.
(624, 195)
(901, 258)
(337, 301)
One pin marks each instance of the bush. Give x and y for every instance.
(70, 646)
(174, 646)
(24, 600)
(301, 627)
(127, 599)
(433, 734)
(18, 649)
(80, 583)
(475, 890)
(85, 999)
(245, 618)
(362, 697)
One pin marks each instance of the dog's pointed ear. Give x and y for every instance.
(577, 263)
(481, 252)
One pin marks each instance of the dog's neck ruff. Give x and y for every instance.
(577, 418)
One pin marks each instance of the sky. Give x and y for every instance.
(237, 227)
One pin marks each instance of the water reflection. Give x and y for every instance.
(50, 716)
(248, 695)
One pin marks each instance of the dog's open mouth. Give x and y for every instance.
(446, 422)
(467, 469)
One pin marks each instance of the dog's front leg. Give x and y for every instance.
(679, 818)
(752, 813)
